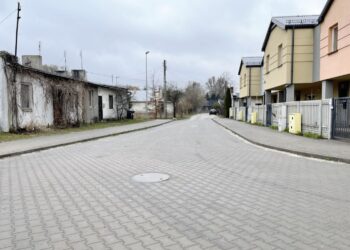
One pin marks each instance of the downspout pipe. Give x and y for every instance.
(292, 59)
(250, 85)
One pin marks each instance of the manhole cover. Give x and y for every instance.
(150, 177)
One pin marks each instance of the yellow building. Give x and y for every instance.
(250, 73)
(289, 60)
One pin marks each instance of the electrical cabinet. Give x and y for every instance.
(254, 117)
(240, 115)
(295, 123)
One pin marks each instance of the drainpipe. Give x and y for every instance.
(250, 84)
(293, 48)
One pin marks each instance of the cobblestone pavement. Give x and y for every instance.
(223, 194)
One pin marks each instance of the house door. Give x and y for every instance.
(341, 118)
(100, 108)
(58, 103)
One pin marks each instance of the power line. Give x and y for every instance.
(3, 20)
(109, 76)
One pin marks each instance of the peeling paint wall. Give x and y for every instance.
(4, 116)
(40, 114)
(90, 113)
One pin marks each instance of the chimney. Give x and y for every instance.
(79, 74)
(33, 61)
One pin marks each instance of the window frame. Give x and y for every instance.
(91, 98)
(110, 102)
(333, 38)
(279, 55)
(28, 108)
(267, 68)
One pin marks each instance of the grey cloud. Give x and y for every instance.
(199, 38)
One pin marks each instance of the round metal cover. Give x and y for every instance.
(150, 177)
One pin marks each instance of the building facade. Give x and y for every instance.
(33, 97)
(250, 75)
(335, 49)
(289, 59)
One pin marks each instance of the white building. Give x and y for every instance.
(154, 108)
(36, 97)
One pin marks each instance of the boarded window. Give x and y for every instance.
(26, 94)
(110, 102)
(280, 50)
(91, 98)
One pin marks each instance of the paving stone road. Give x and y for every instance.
(223, 194)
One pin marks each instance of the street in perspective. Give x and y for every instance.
(148, 128)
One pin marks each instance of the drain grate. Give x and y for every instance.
(150, 177)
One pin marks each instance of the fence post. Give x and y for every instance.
(330, 120)
(320, 118)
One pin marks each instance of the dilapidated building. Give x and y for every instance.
(34, 96)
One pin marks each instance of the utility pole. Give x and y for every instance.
(165, 97)
(15, 109)
(18, 17)
(155, 97)
(146, 53)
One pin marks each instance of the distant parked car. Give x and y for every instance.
(213, 112)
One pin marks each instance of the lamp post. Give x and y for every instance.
(147, 52)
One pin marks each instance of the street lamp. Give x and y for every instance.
(146, 53)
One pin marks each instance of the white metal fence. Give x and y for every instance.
(316, 115)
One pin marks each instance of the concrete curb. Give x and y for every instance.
(285, 150)
(80, 141)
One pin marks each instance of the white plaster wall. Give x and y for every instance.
(108, 113)
(41, 114)
(4, 117)
(139, 107)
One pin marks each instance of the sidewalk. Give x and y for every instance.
(266, 137)
(18, 147)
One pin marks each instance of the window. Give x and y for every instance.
(343, 89)
(26, 96)
(280, 50)
(110, 102)
(267, 63)
(245, 80)
(91, 98)
(333, 39)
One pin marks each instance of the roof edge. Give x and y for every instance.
(325, 10)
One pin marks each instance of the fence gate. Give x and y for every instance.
(268, 115)
(341, 118)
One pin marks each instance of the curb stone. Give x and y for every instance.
(304, 154)
(79, 141)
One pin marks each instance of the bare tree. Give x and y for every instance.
(194, 97)
(217, 87)
(174, 95)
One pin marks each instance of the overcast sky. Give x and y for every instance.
(198, 38)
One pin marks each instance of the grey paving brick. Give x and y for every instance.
(222, 194)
